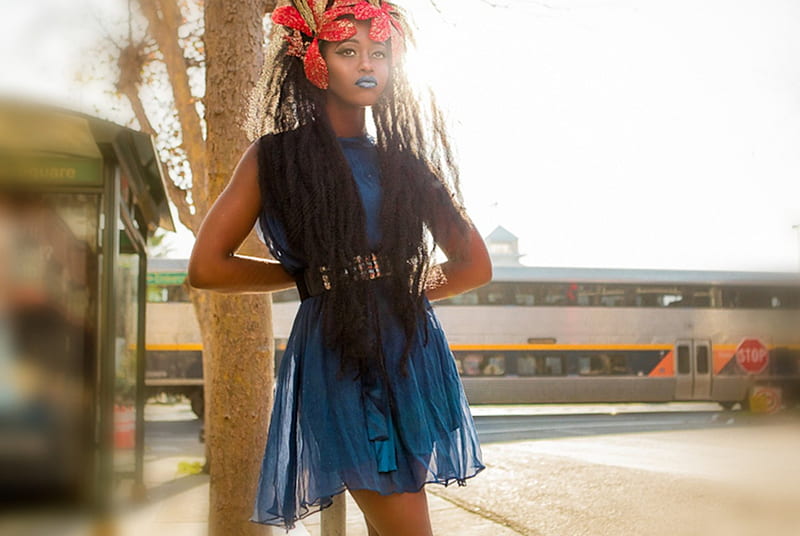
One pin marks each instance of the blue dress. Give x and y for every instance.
(328, 434)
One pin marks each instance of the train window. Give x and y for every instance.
(524, 294)
(645, 299)
(783, 298)
(526, 365)
(673, 299)
(495, 294)
(524, 299)
(612, 296)
(532, 365)
(467, 298)
(683, 359)
(553, 366)
(618, 365)
(476, 364)
(702, 359)
(790, 299)
(471, 364)
(555, 295)
(587, 295)
(592, 365)
(174, 364)
(701, 297)
(495, 365)
(496, 298)
(784, 361)
(746, 298)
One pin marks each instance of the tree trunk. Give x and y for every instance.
(238, 336)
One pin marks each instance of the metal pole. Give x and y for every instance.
(107, 354)
(139, 491)
(334, 518)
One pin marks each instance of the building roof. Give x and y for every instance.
(500, 234)
(41, 134)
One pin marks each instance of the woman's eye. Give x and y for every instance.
(379, 54)
(347, 52)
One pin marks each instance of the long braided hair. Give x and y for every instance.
(307, 185)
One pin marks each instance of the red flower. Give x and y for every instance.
(289, 16)
(384, 25)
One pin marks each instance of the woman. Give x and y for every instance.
(367, 395)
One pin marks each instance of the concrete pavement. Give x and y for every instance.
(731, 481)
(701, 482)
(180, 508)
(728, 480)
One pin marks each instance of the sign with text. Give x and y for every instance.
(752, 356)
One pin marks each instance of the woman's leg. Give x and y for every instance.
(398, 514)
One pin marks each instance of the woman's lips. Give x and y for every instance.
(367, 82)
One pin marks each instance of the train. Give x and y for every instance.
(562, 335)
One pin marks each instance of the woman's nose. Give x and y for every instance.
(365, 64)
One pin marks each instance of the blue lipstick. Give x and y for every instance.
(367, 82)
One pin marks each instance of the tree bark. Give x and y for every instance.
(238, 339)
(236, 330)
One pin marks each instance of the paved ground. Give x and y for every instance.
(731, 482)
(184, 507)
(729, 479)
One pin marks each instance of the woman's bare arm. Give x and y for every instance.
(468, 264)
(213, 264)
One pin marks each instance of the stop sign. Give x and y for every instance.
(752, 355)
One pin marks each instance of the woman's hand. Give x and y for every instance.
(213, 264)
(468, 264)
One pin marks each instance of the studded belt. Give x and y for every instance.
(313, 282)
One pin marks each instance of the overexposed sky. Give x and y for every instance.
(603, 133)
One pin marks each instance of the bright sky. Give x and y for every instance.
(603, 133)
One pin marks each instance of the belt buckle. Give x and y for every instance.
(325, 276)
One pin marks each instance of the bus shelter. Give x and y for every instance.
(79, 197)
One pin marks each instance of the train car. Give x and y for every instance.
(567, 335)
(610, 335)
(174, 347)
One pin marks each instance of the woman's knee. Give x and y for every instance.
(398, 514)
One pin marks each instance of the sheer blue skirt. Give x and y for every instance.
(328, 434)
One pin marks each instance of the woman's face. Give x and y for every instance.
(358, 68)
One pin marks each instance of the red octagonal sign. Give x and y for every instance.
(752, 355)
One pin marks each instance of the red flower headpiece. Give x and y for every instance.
(329, 26)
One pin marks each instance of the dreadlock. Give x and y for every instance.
(307, 185)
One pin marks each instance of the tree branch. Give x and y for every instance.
(164, 19)
(176, 194)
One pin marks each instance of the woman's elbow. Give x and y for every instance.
(485, 272)
(197, 274)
